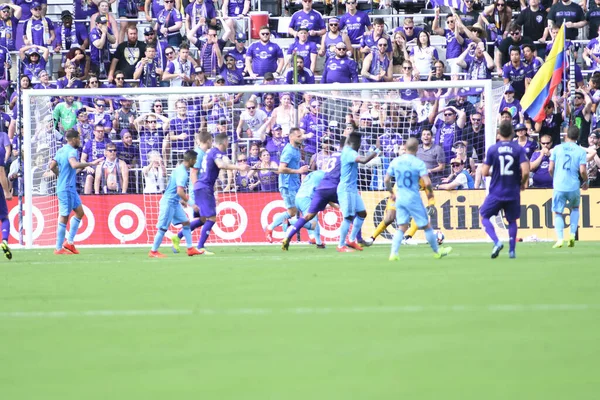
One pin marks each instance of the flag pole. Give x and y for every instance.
(565, 88)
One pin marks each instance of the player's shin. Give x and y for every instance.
(278, 220)
(75, 222)
(559, 226)
(356, 227)
(412, 229)
(512, 235)
(60, 235)
(317, 231)
(380, 228)
(574, 221)
(489, 229)
(187, 232)
(204, 234)
(431, 239)
(344, 231)
(158, 239)
(194, 224)
(396, 242)
(5, 229)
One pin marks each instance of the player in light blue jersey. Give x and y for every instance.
(567, 164)
(171, 209)
(303, 200)
(289, 180)
(407, 170)
(351, 204)
(203, 144)
(65, 165)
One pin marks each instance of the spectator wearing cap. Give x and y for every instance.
(38, 30)
(333, 36)
(355, 22)
(341, 68)
(83, 125)
(164, 52)
(582, 115)
(512, 105)
(69, 36)
(127, 55)
(152, 136)
(93, 150)
(315, 127)
(101, 37)
(299, 75)
(147, 70)
(199, 16)
(514, 40)
(304, 49)
(124, 117)
(8, 24)
(409, 31)
(253, 122)
(169, 23)
(239, 52)
(275, 141)
(476, 61)
(447, 129)
(551, 124)
(65, 113)
(232, 75)
(514, 72)
(34, 60)
(459, 178)
(264, 56)
(368, 44)
(200, 77)
(310, 19)
(209, 51)
(100, 115)
(105, 10)
(233, 12)
(377, 66)
(569, 13)
(179, 70)
(284, 116)
(539, 163)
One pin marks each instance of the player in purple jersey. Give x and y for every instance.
(5, 195)
(510, 174)
(204, 188)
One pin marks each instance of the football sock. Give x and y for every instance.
(512, 235)
(205, 231)
(194, 224)
(317, 232)
(431, 239)
(158, 239)
(380, 228)
(278, 220)
(489, 229)
(344, 231)
(187, 232)
(396, 242)
(356, 227)
(574, 221)
(5, 229)
(559, 226)
(298, 225)
(73, 230)
(359, 234)
(412, 229)
(60, 235)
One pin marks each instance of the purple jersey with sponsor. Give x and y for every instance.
(505, 158)
(356, 25)
(268, 181)
(541, 175)
(304, 76)
(370, 41)
(8, 33)
(235, 7)
(39, 28)
(243, 182)
(180, 126)
(275, 146)
(150, 141)
(240, 59)
(95, 149)
(340, 70)
(533, 67)
(303, 50)
(330, 46)
(97, 54)
(477, 68)
(67, 37)
(313, 21)
(209, 171)
(232, 77)
(84, 9)
(530, 147)
(264, 57)
(315, 125)
(516, 76)
(453, 48)
(408, 94)
(446, 135)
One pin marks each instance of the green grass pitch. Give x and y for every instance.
(259, 323)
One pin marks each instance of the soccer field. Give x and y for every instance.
(258, 323)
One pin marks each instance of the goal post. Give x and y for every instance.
(243, 214)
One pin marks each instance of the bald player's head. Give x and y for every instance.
(412, 145)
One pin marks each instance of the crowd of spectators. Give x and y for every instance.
(205, 43)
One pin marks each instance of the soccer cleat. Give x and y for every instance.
(156, 254)
(269, 234)
(6, 250)
(344, 249)
(192, 251)
(442, 252)
(62, 252)
(511, 254)
(496, 250)
(558, 244)
(206, 252)
(355, 246)
(365, 243)
(175, 244)
(321, 246)
(285, 244)
(70, 247)
(571, 241)
(394, 257)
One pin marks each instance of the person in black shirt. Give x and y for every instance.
(551, 125)
(533, 19)
(127, 55)
(593, 19)
(471, 16)
(570, 13)
(514, 38)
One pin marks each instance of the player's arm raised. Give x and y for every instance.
(284, 169)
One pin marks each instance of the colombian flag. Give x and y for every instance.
(546, 80)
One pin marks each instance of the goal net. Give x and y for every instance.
(152, 128)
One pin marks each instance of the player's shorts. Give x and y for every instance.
(302, 204)
(404, 212)
(67, 202)
(205, 200)
(321, 198)
(390, 205)
(570, 200)
(289, 197)
(170, 213)
(350, 203)
(492, 206)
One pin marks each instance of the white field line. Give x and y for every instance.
(494, 308)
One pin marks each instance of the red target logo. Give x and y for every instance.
(269, 212)
(330, 222)
(126, 222)
(232, 221)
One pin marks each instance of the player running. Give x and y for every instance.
(510, 173)
(204, 190)
(171, 210)
(408, 170)
(567, 163)
(65, 166)
(289, 179)
(5, 195)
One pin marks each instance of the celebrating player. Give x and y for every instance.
(289, 179)
(5, 195)
(510, 173)
(204, 190)
(65, 166)
(351, 204)
(407, 170)
(567, 163)
(204, 143)
(171, 211)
